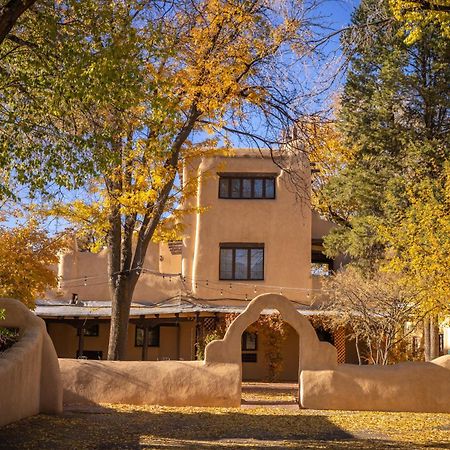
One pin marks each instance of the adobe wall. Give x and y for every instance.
(75, 265)
(30, 381)
(410, 386)
(418, 387)
(168, 383)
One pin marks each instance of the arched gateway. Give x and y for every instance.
(313, 354)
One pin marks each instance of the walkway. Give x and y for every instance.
(270, 395)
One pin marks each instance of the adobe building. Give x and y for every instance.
(254, 235)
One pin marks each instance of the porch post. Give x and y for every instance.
(145, 343)
(197, 326)
(80, 340)
(177, 315)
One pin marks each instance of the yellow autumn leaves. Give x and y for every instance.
(27, 262)
(416, 15)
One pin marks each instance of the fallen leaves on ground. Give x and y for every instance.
(138, 427)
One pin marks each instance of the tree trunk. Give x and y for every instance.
(9, 13)
(426, 339)
(434, 337)
(120, 313)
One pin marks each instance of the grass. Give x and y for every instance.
(153, 427)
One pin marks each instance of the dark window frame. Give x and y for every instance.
(251, 178)
(150, 342)
(241, 246)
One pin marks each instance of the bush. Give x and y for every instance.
(8, 337)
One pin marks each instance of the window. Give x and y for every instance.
(153, 336)
(321, 265)
(247, 186)
(249, 341)
(241, 262)
(90, 330)
(90, 354)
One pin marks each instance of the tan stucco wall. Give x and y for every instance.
(29, 374)
(411, 386)
(283, 225)
(319, 226)
(168, 263)
(74, 266)
(170, 383)
(420, 387)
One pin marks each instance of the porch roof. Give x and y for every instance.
(102, 309)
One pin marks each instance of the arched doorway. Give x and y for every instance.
(312, 353)
(270, 362)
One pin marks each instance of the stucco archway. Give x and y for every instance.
(313, 354)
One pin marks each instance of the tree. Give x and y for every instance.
(209, 67)
(59, 73)
(418, 252)
(394, 116)
(376, 311)
(27, 255)
(416, 15)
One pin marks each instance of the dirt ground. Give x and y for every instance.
(269, 419)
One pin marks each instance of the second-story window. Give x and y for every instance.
(247, 186)
(241, 262)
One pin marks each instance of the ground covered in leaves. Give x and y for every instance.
(140, 427)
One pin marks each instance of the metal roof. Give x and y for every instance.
(58, 308)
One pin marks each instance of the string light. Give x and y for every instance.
(87, 281)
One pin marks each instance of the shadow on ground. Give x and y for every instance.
(128, 427)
